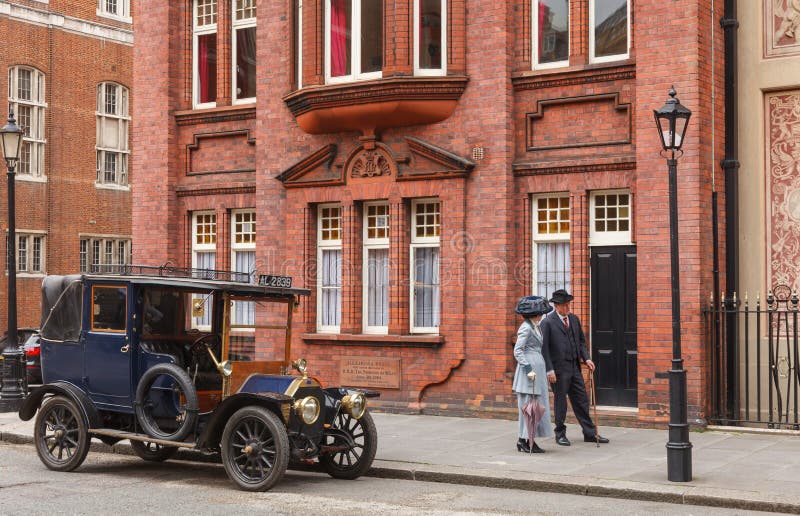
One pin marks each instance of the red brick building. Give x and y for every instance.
(66, 72)
(421, 164)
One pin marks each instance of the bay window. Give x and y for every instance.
(609, 30)
(244, 50)
(353, 39)
(430, 41)
(551, 236)
(425, 244)
(204, 46)
(329, 267)
(376, 268)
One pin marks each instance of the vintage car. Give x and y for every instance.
(170, 359)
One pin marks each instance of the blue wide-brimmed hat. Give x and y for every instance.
(529, 306)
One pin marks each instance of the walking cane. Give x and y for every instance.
(594, 404)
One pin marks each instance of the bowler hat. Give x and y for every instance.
(561, 296)
(530, 306)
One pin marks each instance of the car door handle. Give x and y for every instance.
(124, 349)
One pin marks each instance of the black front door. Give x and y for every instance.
(614, 324)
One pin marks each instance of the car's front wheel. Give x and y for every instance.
(255, 449)
(153, 452)
(354, 442)
(61, 434)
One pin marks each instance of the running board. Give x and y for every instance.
(138, 437)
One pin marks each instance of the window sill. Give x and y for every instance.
(106, 186)
(30, 179)
(108, 16)
(215, 114)
(349, 339)
(374, 105)
(576, 74)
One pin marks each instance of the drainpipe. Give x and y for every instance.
(730, 166)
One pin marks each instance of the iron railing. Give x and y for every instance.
(755, 373)
(170, 271)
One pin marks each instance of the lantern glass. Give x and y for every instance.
(11, 135)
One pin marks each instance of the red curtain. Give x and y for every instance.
(338, 38)
(207, 67)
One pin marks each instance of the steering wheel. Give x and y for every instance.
(198, 348)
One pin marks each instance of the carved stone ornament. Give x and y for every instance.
(782, 27)
(374, 162)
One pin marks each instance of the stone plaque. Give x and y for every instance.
(370, 372)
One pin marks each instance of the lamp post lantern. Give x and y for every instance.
(672, 120)
(12, 393)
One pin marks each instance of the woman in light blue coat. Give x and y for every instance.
(530, 378)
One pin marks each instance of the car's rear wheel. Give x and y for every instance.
(356, 441)
(153, 452)
(61, 434)
(166, 403)
(255, 449)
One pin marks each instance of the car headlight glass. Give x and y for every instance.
(307, 409)
(300, 364)
(355, 404)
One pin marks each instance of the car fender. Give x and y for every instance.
(34, 401)
(275, 402)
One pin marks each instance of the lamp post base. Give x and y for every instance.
(12, 395)
(679, 462)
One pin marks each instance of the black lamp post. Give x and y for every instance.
(672, 120)
(12, 393)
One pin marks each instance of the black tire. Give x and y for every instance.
(255, 449)
(145, 404)
(362, 441)
(61, 434)
(153, 452)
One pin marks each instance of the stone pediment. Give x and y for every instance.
(373, 161)
(316, 169)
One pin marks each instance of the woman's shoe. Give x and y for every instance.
(522, 445)
(536, 449)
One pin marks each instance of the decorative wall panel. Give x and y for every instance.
(781, 28)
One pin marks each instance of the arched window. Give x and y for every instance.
(26, 96)
(112, 134)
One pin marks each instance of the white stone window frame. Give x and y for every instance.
(546, 238)
(372, 244)
(355, 55)
(120, 117)
(607, 59)
(243, 247)
(418, 242)
(605, 238)
(536, 65)
(87, 256)
(36, 135)
(197, 31)
(299, 42)
(236, 25)
(29, 237)
(211, 249)
(430, 72)
(322, 246)
(123, 13)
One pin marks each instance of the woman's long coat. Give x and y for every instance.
(528, 351)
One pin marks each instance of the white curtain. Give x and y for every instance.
(207, 260)
(426, 287)
(378, 287)
(244, 312)
(552, 267)
(331, 283)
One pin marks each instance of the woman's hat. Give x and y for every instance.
(529, 306)
(561, 296)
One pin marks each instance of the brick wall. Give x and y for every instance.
(68, 204)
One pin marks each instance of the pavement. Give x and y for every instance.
(732, 469)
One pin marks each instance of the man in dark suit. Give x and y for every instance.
(564, 348)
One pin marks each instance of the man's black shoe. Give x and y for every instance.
(562, 440)
(595, 439)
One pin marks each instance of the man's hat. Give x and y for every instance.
(561, 296)
(530, 306)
